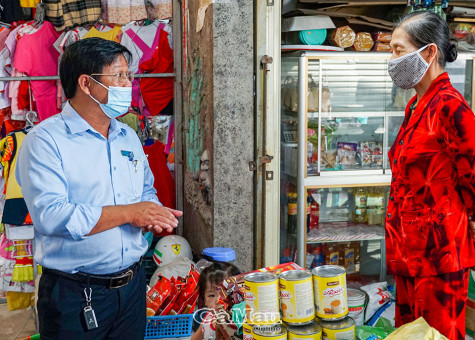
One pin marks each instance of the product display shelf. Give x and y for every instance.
(336, 105)
(329, 232)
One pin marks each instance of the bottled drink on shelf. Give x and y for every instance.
(308, 198)
(357, 247)
(318, 256)
(360, 214)
(314, 214)
(375, 206)
(332, 254)
(349, 257)
(292, 214)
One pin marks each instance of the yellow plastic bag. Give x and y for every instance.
(17, 300)
(417, 330)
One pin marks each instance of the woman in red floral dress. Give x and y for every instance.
(430, 242)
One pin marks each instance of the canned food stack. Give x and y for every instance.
(300, 302)
(330, 292)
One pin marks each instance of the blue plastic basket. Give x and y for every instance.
(170, 326)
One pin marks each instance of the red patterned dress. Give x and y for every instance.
(428, 239)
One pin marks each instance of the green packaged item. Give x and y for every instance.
(381, 330)
(239, 310)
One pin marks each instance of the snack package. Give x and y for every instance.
(231, 291)
(365, 153)
(179, 267)
(347, 153)
(383, 37)
(378, 296)
(188, 290)
(386, 313)
(343, 37)
(191, 303)
(363, 42)
(377, 155)
(177, 286)
(157, 295)
(382, 47)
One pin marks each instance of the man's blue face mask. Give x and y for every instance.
(118, 100)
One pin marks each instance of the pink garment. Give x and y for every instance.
(13, 93)
(3, 37)
(36, 56)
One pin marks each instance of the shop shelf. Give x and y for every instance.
(170, 326)
(348, 179)
(345, 232)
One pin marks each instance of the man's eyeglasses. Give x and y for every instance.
(121, 76)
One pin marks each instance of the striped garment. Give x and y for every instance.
(64, 14)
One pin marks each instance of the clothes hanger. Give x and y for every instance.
(31, 116)
(5, 24)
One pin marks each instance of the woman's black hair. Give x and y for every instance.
(86, 57)
(214, 275)
(425, 27)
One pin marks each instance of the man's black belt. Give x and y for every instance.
(111, 281)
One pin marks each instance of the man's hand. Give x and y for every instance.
(151, 216)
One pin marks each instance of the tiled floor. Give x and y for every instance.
(14, 321)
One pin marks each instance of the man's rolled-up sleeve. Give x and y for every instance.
(44, 186)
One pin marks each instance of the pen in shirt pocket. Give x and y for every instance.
(139, 160)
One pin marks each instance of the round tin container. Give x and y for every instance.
(356, 305)
(262, 298)
(308, 331)
(247, 331)
(335, 330)
(329, 284)
(296, 297)
(269, 332)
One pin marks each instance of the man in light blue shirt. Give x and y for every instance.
(89, 190)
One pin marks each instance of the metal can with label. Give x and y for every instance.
(329, 284)
(338, 330)
(296, 297)
(247, 331)
(262, 298)
(356, 305)
(269, 332)
(308, 331)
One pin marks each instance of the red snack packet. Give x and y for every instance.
(177, 286)
(191, 303)
(187, 291)
(157, 295)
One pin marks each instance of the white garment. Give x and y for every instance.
(5, 71)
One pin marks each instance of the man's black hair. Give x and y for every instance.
(86, 57)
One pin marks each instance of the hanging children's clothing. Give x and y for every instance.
(158, 92)
(11, 11)
(35, 48)
(107, 35)
(29, 3)
(141, 52)
(125, 11)
(15, 211)
(164, 183)
(64, 14)
(4, 32)
(159, 9)
(5, 71)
